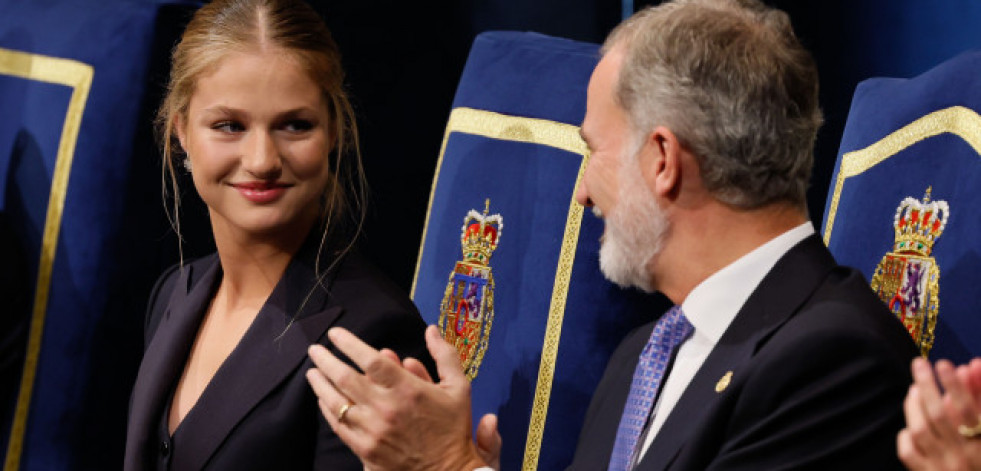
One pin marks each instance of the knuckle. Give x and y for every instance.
(372, 449)
(952, 463)
(388, 414)
(961, 410)
(368, 453)
(919, 432)
(375, 365)
(935, 414)
(413, 396)
(343, 378)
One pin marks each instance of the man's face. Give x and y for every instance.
(606, 131)
(613, 185)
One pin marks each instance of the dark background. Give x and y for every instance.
(404, 59)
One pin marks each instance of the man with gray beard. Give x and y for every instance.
(700, 118)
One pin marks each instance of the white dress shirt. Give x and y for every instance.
(710, 308)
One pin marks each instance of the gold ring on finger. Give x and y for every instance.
(970, 432)
(343, 411)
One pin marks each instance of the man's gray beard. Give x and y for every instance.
(634, 232)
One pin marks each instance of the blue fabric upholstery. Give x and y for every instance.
(75, 128)
(902, 137)
(513, 139)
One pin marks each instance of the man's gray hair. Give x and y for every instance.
(731, 80)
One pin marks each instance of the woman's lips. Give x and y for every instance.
(261, 192)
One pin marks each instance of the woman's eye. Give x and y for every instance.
(298, 125)
(227, 126)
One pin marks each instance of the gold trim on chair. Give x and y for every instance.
(958, 120)
(553, 134)
(77, 76)
(553, 329)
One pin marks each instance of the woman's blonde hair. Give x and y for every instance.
(229, 26)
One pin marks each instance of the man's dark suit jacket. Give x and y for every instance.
(819, 369)
(258, 412)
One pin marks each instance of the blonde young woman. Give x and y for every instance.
(256, 112)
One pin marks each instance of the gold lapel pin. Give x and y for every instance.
(723, 382)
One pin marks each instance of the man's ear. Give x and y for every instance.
(661, 161)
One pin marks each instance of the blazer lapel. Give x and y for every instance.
(269, 352)
(781, 293)
(164, 359)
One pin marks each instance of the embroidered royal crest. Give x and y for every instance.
(467, 310)
(908, 278)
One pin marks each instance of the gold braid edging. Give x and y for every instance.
(553, 330)
(504, 127)
(77, 76)
(958, 120)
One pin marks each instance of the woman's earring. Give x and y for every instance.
(187, 164)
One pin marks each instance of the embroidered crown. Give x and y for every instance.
(918, 224)
(480, 235)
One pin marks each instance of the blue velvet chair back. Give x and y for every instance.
(80, 222)
(508, 265)
(904, 199)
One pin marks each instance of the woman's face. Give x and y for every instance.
(257, 135)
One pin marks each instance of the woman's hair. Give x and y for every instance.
(223, 27)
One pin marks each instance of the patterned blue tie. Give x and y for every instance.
(671, 329)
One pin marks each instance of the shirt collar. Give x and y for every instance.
(714, 303)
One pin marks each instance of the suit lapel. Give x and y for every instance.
(779, 295)
(269, 352)
(164, 359)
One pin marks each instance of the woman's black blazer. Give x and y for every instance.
(258, 412)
